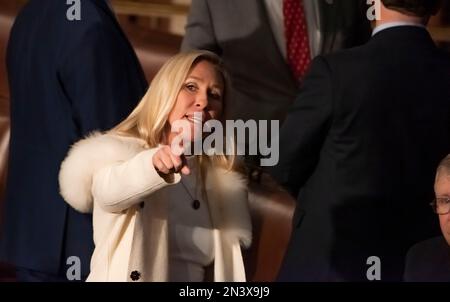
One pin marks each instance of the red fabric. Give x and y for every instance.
(296, 33)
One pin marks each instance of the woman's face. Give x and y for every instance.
(202, 95)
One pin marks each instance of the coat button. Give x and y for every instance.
(142, 204)
(135, 275)
(196, 204)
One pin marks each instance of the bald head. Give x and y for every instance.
(443, 168)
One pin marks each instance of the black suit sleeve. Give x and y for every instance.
(199, 29)
(97, 80)
(305, 128)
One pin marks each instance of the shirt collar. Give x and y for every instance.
(395, 24)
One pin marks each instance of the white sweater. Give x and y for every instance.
(191, 245)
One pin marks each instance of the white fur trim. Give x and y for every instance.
(230, 189)
(99, 150)
(85, 158)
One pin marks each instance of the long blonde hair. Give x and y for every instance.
(148, 120)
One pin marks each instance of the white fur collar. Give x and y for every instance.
(99, 150)
(85, 158)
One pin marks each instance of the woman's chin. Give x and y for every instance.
(193, 136)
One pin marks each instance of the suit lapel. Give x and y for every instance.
(313, 20)
(265, 21)
(328, 11)
(276, 57)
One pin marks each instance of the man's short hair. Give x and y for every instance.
(444, 166)
(420, 8)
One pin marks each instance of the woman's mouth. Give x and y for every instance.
(196, 118)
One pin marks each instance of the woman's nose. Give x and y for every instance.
(201, 101)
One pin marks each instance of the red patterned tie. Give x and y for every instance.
(297, 42)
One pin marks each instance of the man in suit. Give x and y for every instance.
(429, 261)
(358, 149)
(69, 73)
(256, 40)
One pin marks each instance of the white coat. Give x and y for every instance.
(113, 177)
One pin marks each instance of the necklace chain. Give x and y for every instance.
(186, 189)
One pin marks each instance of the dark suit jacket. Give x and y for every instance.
(428, 261)
(359, 148)
(67, 78)
(240, 32)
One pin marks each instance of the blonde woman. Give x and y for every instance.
(158, 216)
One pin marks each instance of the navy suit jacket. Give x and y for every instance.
(359, 149)
(428, 261)
(67, 78)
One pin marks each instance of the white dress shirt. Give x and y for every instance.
(275, 13)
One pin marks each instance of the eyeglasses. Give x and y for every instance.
(441, 206)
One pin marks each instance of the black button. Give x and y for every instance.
(142, 204)
(196, 204)
(135, 275)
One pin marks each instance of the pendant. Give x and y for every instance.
(196, 204)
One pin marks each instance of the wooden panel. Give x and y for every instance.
(149, 8)
(440, 34)
(152, 47)
(154, 14)
(8, 12)
(272, 211)
(4, 144)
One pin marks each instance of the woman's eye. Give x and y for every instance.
(190, 87)
(215, 96)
